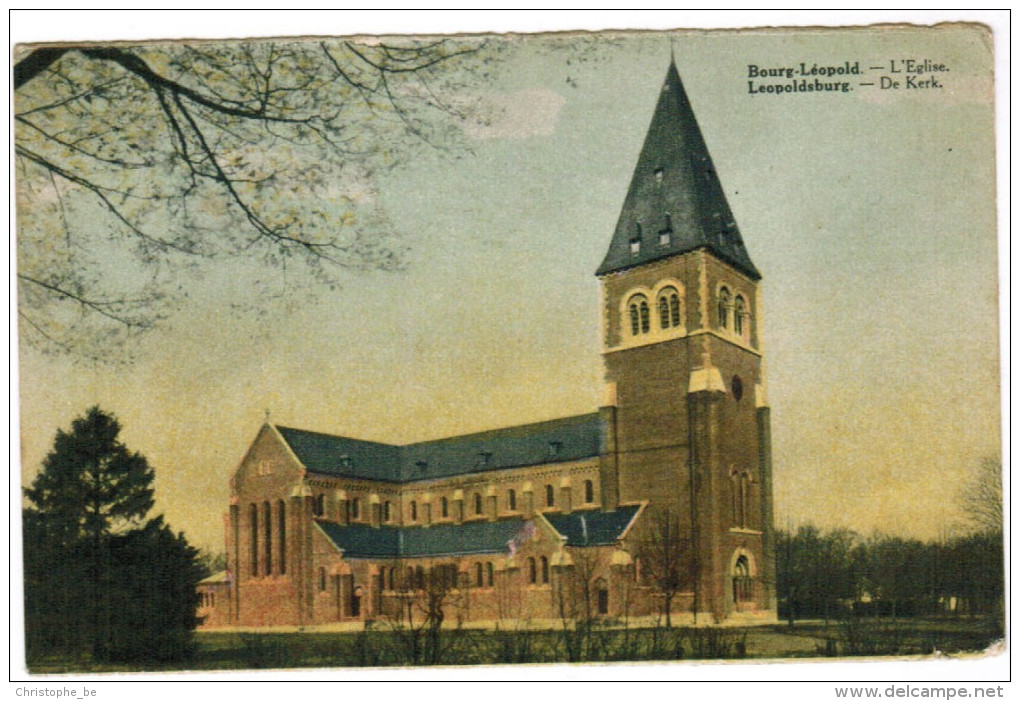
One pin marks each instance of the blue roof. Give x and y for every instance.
(359, 540)
(560, 440)
(583, 528)
(478, 537)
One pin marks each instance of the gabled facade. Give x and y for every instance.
(325, 529)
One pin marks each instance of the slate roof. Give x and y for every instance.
(675, 187)
(573, 438)
(583, 528)
(472, 538)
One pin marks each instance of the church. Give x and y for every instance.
(661, 497)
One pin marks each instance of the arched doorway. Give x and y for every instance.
(743, 589)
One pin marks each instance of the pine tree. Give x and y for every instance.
(102, 580)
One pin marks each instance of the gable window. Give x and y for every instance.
(589, 492)
(322, 579)
(550, 495)
(253, 528)
(267, 526)
(723, 308)
(638, 310)
(479, 575)
(281, 531)
(511, 500)
(532, 571)
(545, 569)
(489, 573)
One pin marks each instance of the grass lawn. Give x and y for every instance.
(231, 650)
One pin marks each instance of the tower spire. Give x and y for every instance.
(675, 202)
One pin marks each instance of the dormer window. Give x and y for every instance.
(658, 175)
(554, 448)
(666, 234)
(484, 457)
(635, 240)
(345, 462)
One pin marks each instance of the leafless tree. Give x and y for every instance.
(981, 499)
(137, 162)
(666, 556)
(424, 597)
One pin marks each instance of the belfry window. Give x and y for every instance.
(640, 319)
(669, 308)
(723, 308)
(739, 310)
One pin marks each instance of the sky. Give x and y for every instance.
(870, 214)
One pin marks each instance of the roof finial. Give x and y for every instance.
(672, 52)
(267, 414)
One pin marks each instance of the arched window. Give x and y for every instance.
(478, 504)
(489, 573)
(386, 511)
(479, 575)
(356, 603)
(253, 528)
(723, 308)
(511, 500)
(320, 505)
(267, 526)
(589, 492)
(550, 495)
(322, 579)
(356, 509)
(414, 511)
(742, 589)
(601, 597)
(444, 507)
(640, 320)
(532, 571)
(669, 308)
(739, 309)
(545, 569)
(281, 533)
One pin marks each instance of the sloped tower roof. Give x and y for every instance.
(675, 189)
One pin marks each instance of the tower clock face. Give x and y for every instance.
(737, 387)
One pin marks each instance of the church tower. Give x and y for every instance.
(686, 412)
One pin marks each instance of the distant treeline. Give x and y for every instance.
(831, 574)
